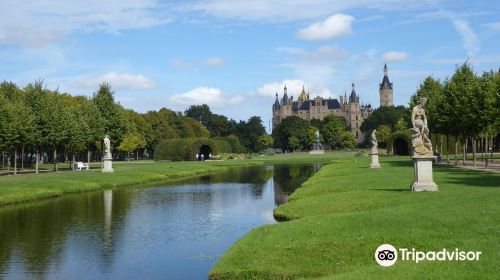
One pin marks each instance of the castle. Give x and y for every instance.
(346, 107)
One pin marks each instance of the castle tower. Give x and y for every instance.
(353, 115)
(385, 90)
(276, 112)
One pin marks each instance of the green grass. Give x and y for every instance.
(29, 187)
(340, 216)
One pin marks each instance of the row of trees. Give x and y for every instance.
(295, 133)
(38, 124)
(389, 121)
(464, 109)
(220, 126)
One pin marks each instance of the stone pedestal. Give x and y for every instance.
(423, 174)
(107, 166)
(374, 163)
(317, 149)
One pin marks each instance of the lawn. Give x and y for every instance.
(29, 187)
(337, 219)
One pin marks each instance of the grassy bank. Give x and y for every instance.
(340, 216)
(29, 187)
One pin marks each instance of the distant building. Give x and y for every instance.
(347, 107)
(385, 90)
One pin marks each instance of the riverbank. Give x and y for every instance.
(340, 216)
(30, 187)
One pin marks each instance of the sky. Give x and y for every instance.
(234, 55)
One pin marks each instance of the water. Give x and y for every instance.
(167, 232)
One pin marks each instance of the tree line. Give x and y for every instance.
(294, 133)
(39, 125)
(463, 111)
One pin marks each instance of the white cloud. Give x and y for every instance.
(333, 27)
(286, 10)
(214, 97)
(470, 39)
(395, 56)
(294, 87)
(123, 81)
(33, 23)
(493, 25)
(214, 62)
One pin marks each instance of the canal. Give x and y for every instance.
(166, 232)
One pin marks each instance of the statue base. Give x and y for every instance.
(423, 174)
(375, 163)
(317, 149)
(107, 166)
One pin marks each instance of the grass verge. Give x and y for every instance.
(337, 219)
(30, 187)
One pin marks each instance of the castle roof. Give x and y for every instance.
(306, 105)
(352, 97)
(386, 84)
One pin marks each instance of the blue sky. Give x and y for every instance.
(235, 54)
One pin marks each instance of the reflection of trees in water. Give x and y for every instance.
(37, 232)
(256, 176)
(287, 178)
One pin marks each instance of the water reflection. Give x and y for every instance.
(174, 232)
(288, 178)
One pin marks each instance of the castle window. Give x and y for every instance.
(317, 110)
(356, 134)
(356, 124)
(356, 117)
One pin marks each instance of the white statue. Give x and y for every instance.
(420, 132)
(107, 147)
(374, 142)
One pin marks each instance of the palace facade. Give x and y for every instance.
(347, 107)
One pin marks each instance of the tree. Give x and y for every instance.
(464, 106)
(385, 115)
(336, 134)
(218, 125)
(292, 126)
(265, 142)
(111, 112)
(132, 142)
(384, 135)
(250, 131)
(294, 143)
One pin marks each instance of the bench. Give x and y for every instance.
(80, 165)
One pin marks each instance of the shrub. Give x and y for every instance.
(183, 148)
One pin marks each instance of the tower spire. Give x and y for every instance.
(386, 72)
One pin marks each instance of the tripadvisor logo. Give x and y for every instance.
(387, 255)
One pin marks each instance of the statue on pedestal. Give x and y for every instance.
(107, 147)
(107, 158)
(422, 150)
(374, 142)
(420, 132)
(316, 147)
(374, 151)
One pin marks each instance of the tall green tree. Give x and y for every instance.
(336, 133)
(292, 126)
(265, 142)
(115, 124)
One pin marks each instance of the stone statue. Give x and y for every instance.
(107, 147)
(107, 160)
(317, 135)
(374, 142)
(420, 132)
